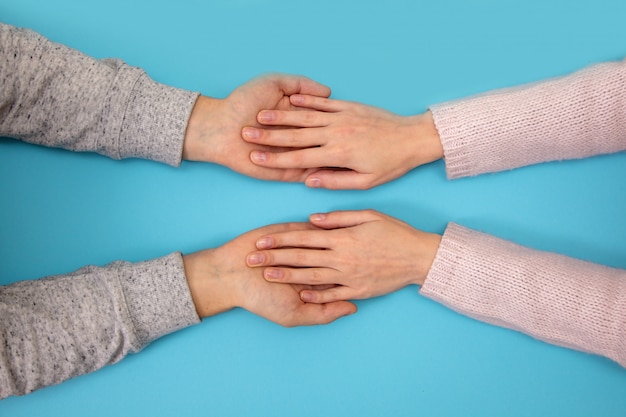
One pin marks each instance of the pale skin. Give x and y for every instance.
(355, 254)
(333, 258)
(346, 145)
(220, 280)
(343, 145)
(214, 129)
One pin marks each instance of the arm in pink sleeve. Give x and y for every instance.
(577, 116)
(551, 297)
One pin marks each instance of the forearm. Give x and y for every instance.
(551, 297)
(55, 328)
(577, 116)
(55, 96)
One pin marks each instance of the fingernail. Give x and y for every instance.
(258, 156)
(318, 217)
(306, 296)
(296, 99)
(255, 259)
(314, 183)
(265, 243)
(250, 133)
(271, 273)
(266, 116)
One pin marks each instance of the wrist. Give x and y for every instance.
(210, 291)
(429, 245)
(202, 130)
(426, 137)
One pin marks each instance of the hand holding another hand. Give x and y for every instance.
(343, 145)
(214, 129)
(220, 280)
(353, 254)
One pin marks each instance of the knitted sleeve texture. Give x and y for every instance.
(553, 298)
(55, 328)
(59, 327)
(577, 116)
(56, 96)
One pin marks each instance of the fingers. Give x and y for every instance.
(311, 314)
(340, 180)
(305, 118)
(302, 238)
(317, 103)
(284, 138)
(299, 158)
(304, 276)
(340, 219)
(303, 258)
(326, 296)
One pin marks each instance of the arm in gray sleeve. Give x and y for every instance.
(56, 96)
(55, 328)
(59, 327)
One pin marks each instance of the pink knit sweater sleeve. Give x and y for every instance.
(577, 116)
(551, 297)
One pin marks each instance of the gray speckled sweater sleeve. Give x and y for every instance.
(59, 327)
(55, 96)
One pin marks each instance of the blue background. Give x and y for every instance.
(401, 354)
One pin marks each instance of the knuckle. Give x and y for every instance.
(301, 257)
(316, 276)
(292, 226)
(323, 101)
(310, 117)
(340, 157)
(361, 293)
(303, 239)
(330, 296)
(347, 130)
(297, 158)
(292, 138)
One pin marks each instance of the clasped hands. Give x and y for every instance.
(286, 128)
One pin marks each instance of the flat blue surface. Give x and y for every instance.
(401, 354)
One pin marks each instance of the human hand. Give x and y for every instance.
(362, 254)
(349, 145)
(214, 129)
(220, 280)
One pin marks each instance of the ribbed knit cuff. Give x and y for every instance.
(455, 141)
(155, 122)
(157, 296)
